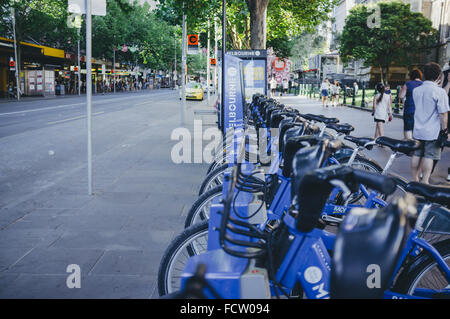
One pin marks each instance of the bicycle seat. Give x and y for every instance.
(435, 194)
(360, 141)
(341, 128)
(366, 251)
(321, 118)
(402, 146)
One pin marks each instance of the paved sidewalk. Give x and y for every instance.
(117, 236)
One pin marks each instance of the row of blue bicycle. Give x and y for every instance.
(288, 210)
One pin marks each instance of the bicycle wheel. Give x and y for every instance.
(214, 179)
(361, 163)
(200, 209)
(191, 242)
(423, 273)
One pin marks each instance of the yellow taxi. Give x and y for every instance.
(194, 91)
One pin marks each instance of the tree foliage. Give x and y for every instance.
(285, 19)
(398, 39)
(126, 23)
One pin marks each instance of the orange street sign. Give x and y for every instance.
(193, 39)
(213, 61)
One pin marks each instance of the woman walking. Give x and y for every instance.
(324, 88)
(382, 109)
(335, 88)
(406, 94)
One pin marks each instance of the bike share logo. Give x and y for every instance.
(313, 275)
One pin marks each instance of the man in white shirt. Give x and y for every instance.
(430, 122)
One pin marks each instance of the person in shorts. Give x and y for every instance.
(430, 122)
(382, 109)
(335, 88)
(409, 107)
(324, 92)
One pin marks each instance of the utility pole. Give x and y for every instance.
(216, 49)
(175, 65)
(183, 73)
(224, 47)
(15, 54)
(78, 58)
(114, 69)
(208, 67)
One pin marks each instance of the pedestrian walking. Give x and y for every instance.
(446, 86)
(430, 122)
(382, 109)
(355, 88)
(335, 89)
(273, 86)
(285, 86)
(406, 95)
(324, 91)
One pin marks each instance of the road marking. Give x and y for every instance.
(41, 109)
(73, 118)
(83, 103)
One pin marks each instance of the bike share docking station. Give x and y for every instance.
(233, 276)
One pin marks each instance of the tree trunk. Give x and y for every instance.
(258, 14)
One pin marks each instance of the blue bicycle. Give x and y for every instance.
(294, 256)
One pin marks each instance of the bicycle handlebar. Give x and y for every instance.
(381, 183)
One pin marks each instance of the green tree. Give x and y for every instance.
(252, 24)
(40, 21)
(307, 44)
(399, 37)
(134, 25)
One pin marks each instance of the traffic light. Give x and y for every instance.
(213, 61)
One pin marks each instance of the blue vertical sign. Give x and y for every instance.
(233, 113)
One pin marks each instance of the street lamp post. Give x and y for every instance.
(208, 70)
(89, 92)
(15, 54)
(79, 68)
(183, 73)
(114, 69)
(224, 47)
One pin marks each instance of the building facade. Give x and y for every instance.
(437, 11)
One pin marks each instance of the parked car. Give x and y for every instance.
(194, 91)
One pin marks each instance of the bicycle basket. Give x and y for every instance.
(238, 237)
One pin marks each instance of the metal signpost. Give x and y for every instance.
(183, 73)
(88, 7)
(17, 62)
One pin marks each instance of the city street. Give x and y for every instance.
(117, 236)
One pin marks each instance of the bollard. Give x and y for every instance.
(354, 97)
(363, 101)
(397, 101)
